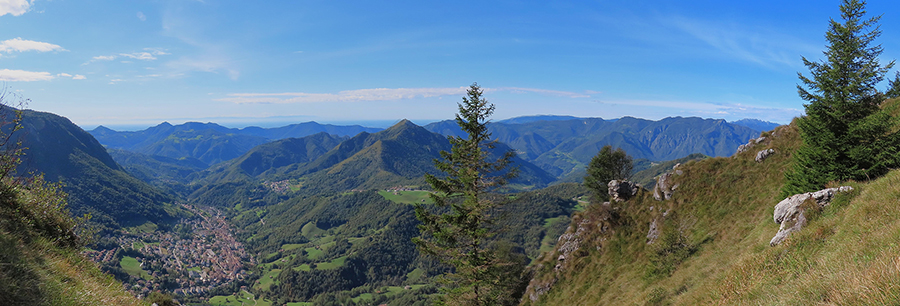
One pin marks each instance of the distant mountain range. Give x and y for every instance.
(757, 124)
(210, 142)
(562, 146)
(397, 156)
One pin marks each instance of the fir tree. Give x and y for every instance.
(845, 133)
(461, 235)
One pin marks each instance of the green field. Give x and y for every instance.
(334, 264)
(407, 197)
(303, 267)
(243, 298)
(132, 267)
(288, 247)
(415, 275)
(387, 291)
(314, 253)
(146, 227)
(310, 230)
(363, 297)
(268, 279)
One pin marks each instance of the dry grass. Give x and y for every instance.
(849, 253)
(66, 278)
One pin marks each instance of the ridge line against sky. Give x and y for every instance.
(142, 63)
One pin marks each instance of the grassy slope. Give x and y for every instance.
(56, 276)
(724, 205)
(847, 255)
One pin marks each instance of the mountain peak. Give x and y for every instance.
(102, 129)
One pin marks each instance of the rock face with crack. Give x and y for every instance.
(791, 214)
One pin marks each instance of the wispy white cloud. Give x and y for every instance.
(211, 64)
(74, 77)
(378, 94)
(209, 54)
(31, 76)
(14, 7)
(103, 58)
(141, 16)
(759, 45)
(548, 92)
(149, 54)
(24, 76)
(708, 109)
(21, 45)
(374, 94)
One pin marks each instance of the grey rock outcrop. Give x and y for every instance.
(753, 142)
(653, 233)
(762, 155)
(620, 191)
(791, 215)
(665, 186)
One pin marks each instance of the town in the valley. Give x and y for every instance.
(201, 255)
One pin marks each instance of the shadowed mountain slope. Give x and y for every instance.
(95, 183)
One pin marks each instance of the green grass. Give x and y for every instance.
(299, 304)
(132, 267)
(407, 197)
(333, 264)
(363, 297)
(415, 275)
(137, 245)
(243, 298)
(723, 206)
(41, 273)
(310, 230)
(303, 267)
(288, 247)
(314, 253)
(143, 228)
(550, 221)
(268, 279)
(848, 254)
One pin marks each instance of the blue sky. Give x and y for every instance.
(137, 63)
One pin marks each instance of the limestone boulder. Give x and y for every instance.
(665, 186)
(762, 155)
(791, 214)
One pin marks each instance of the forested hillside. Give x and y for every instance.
(65, 153)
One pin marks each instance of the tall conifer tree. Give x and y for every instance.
(846, 135)
(461, 235)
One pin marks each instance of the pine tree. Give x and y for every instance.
(606, 166)
(845, 133)
(461, 235)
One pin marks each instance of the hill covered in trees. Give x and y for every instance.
(95, 183)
